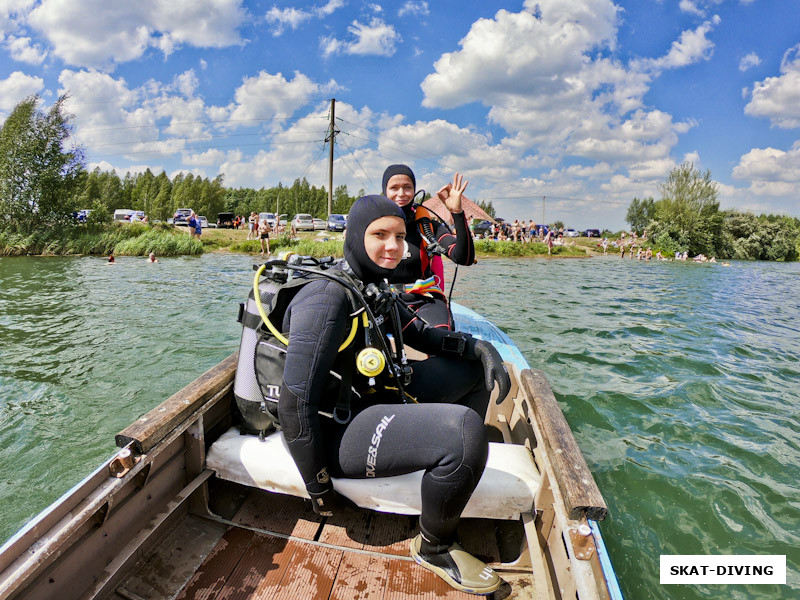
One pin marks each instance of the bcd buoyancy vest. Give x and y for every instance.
(262, 350)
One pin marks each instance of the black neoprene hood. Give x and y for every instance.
(393, 170)
(366, 210)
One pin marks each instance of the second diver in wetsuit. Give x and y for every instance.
(419, 264)
(441, 433)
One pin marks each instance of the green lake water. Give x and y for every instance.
(680, 381)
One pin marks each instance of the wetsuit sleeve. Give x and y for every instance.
(433, 340)
(316, 320)
(460, 248)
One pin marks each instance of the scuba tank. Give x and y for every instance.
(259, 409)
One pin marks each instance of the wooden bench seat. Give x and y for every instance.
(506, 490)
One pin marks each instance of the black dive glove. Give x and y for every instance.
(493, 368)
(329, 502)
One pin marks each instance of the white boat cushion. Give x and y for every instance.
(506, 489)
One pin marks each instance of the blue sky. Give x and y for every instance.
(588, 103)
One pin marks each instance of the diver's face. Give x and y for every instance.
(383, 241)
(400, 189)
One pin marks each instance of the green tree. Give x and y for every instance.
(488, 208)
(38, 175)
(687, 216)
(640, 213)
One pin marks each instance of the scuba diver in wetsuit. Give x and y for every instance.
(441, 430)
(423, 259)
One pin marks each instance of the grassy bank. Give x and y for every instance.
(124, 240)
(165, 240)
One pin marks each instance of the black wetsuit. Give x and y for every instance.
(417, 265)
(446, 439)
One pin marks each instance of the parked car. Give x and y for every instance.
(270, 218)
(319, 223)
(571, 233)
(203, 222)
(592, 233)
(123, 214)
(337, 222)
(137, 215)
(225, 220)
(483, 228)
(181, 216)
(303, 222)
(82, 215)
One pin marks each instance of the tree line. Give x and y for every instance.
(687, 218)
(43, 183)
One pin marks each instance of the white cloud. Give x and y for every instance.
(693, 46)
(770, 166)
(375, 38)
(749, 61)
(15, 88)
(689, 6)
(12, 14)
(293, 18)
(266, 96)
(413, 8)
(119, 32)
(522, 54)
(21, 49)
(778, 98)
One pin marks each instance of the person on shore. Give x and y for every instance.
(251, 222)
(448, 418)
(152, 258)
(548, 239)
(421, 269)
(263, 233)
(195, 228)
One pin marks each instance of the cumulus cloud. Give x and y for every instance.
(692, 46)
(778, 98)
(413, 8)
(22, 49)
(539, 73)
(375, 38)
(770, 168)
(689, 6)
(15, 88)
(749, 61)
(293, 18)
(120, 32)
(267, 96)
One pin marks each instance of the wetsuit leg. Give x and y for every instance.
(450, 380)
(447, 441)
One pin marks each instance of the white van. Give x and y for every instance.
(123, 214)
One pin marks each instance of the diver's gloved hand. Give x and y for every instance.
(493, 368)
(329, 502)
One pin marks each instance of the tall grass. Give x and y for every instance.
(284, 242)
(512, 249)
(134, 240)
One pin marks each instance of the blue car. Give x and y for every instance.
(337, 223)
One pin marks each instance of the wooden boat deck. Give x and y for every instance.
(274, 547)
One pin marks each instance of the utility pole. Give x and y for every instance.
(543, 210)
(331, 136)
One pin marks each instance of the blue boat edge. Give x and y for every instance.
(469, 321)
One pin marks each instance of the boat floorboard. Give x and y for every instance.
(274, 547)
